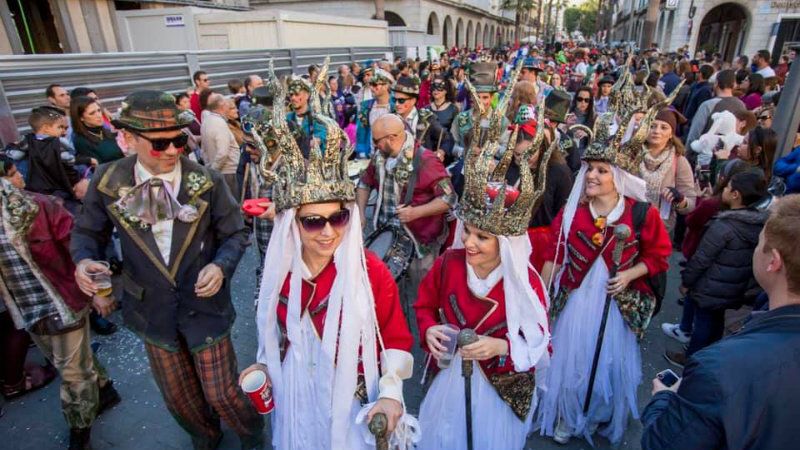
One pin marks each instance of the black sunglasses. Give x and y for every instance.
(403, 101)
(377, 141)
(582, 99)
(438, 86)
(162, 144)
(764, 118)
(314, 224)
(375, 83)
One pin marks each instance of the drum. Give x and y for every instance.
(394, 247)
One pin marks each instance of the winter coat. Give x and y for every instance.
(720, 272)
(738, 394)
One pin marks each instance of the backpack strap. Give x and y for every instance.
(639, 215)
(412, 182)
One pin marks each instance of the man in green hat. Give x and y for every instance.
(182, 235)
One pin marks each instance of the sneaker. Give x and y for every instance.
(674, 331)
(675, 358)
(109, 397)
(79, 439)
(562, 434)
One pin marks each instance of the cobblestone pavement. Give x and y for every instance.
(142, 422)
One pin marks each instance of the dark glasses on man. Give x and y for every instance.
(377, 141)
(583, 99)
(403, 101)
(376, 83)
(764, 117)
(314, 224)
(161, 144)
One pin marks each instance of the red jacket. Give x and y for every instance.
(446, 285)
(314, 298)
(653, 250)
(194, 104)
(48, 241)
(432, 182)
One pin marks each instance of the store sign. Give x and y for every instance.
(671, 5)
(791, 4)
(174, 21)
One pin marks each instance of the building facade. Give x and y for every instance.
(415, 23)
(727, 27)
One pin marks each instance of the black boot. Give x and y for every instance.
(100, 325)
(109, 397)
(79, 439)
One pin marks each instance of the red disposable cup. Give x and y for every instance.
(258, 387)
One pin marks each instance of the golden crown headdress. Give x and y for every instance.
(488, 203)
(623, 147)
(624, 98)
(322, 178)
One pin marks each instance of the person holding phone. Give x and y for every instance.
(665, 169)
(742, 392)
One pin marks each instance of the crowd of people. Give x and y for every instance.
(513, 211)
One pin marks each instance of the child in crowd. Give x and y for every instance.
(49, 167)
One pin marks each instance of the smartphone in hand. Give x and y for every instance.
(668, 377)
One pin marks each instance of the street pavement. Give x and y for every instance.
(141, 420)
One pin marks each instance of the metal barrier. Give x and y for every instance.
(23, 78)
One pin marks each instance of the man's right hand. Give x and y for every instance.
(269, 213)
(80, 188)
(84, 281)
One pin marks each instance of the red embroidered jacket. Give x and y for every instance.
(653, 250)
(48, 241)
(314, 298)
(432, 182)
(444, 293)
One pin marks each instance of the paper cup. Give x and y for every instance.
(257, 386)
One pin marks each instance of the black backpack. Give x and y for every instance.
(658, 283)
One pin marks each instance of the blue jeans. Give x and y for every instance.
(687, 318)
(709, 325)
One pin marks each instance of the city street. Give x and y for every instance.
(142, 422)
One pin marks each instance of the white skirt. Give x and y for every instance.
(619, 370)
(302, 422)
(442, 414)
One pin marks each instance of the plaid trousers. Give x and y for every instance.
(201, 387)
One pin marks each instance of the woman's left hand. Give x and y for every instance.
(486, 348)
(619, 282)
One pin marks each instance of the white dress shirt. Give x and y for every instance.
(162, 230)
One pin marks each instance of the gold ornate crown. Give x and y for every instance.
(613, 147)
(483, 178)
(322, 178)
(624, 99)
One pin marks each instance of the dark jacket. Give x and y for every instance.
(701, 91)
(48, 173)
(159, 298)
(432, 135)
(720, 272)
(671, 80)
(104, 150)
(740, 393)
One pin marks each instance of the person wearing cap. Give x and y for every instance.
(483, 78)
(304, 125)
(423, 124)
(603, 93)
(182, 236)
(371, 110)
(669, 176)
(531, 68)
